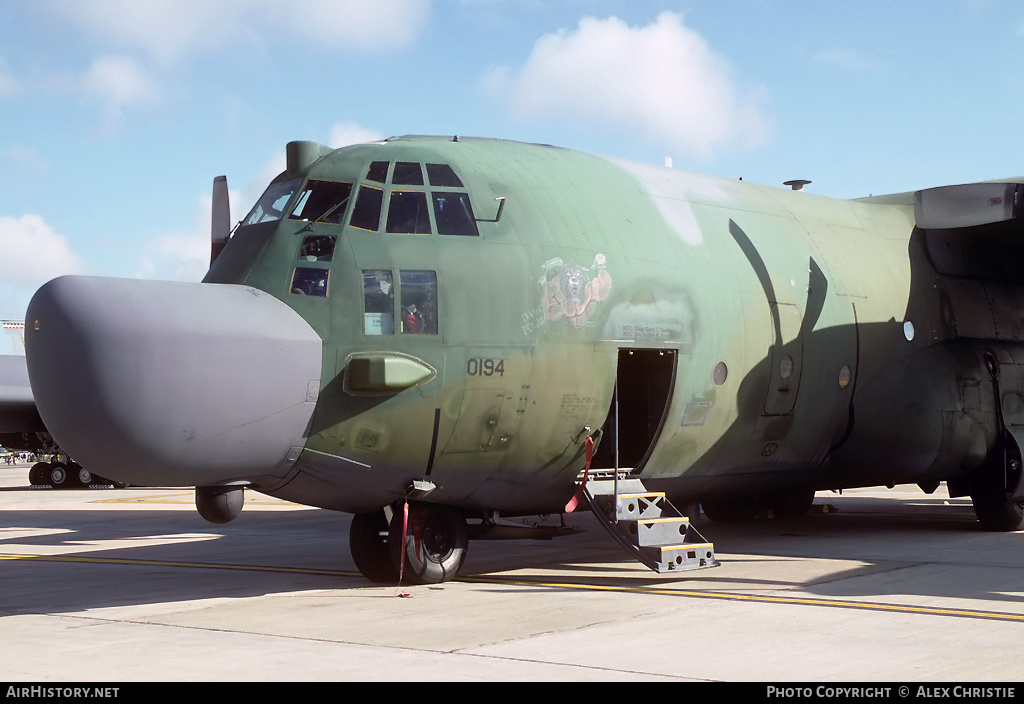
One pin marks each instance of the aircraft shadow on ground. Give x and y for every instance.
(143, 556)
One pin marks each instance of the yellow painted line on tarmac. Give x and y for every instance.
(697, 594)
(189, 498)
(803, 601)
(167, 563)
(155, 499)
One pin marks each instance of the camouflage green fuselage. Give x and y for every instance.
(783, 312)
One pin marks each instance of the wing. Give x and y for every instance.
(19, 420)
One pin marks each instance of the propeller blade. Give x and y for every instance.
(220, 219)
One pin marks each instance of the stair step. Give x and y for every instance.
(648, 525)
(687, 556)
(661, 531)
(642, 506)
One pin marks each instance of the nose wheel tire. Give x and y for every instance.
(435, 544)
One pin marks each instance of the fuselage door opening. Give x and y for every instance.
(643, 390)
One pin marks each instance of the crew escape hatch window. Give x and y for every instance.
(318, 201)
(308, 280)
(417, 300)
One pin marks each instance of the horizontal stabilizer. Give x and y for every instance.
(966, 205)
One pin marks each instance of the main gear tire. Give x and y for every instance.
(995, 511)
(58, 476)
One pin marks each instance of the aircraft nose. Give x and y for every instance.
(172, 384)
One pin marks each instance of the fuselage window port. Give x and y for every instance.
(366, 211)
(309, 282)
(378, 171)
(378, 303)
(317, 248)
(272, 203)
(419, 302)
(454, 214)
(322, 201)
(407, 213)
(443, 175)
(407, 173)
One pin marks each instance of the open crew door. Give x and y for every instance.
(643, 389)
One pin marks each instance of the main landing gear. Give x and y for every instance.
(62, 475)
(741, 508)
(413, 543)
(995, 490)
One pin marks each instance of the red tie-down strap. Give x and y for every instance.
(575, 500)
(401, 560)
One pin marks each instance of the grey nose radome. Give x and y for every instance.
(172, 384)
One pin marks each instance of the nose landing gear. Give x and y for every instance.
(416, 543)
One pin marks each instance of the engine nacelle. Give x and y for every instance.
(219, 504)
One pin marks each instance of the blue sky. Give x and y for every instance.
(115, 115)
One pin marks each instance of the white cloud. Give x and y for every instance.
(185, 255)
(8, 84)
(168, 29)
(662, 80)
(32, 253)
(118, 82)
(181, 256)
(354, 24)
(345, 133)
(19, 157)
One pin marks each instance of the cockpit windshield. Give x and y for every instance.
(272, 203)
(322, 201)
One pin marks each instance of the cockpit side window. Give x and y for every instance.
(272, 203)
(310, 282)
(322, 201)
(419, 302)
(378, 302)
(454, 214)
(317, 248)
(407, 213)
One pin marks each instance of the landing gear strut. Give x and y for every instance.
(996, 488)
(781, 504)
(434, 548)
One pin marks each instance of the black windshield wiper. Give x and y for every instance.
(334, 207)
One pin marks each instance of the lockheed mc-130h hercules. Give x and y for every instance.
(436, 334)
